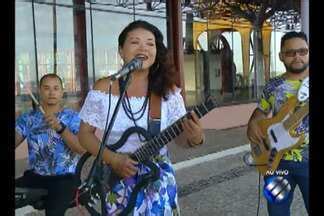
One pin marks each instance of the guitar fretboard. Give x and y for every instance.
(153, 146)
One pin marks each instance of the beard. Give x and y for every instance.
(296, 70)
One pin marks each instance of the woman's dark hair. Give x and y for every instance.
(162, 72)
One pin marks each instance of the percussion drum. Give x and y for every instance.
(29, 196)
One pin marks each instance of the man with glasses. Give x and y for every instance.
(294, 164)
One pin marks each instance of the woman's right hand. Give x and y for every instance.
(123, 165)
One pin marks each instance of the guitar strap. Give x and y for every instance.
(155, 106)
(303, 91)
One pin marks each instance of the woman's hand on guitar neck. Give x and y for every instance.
(193, 130)
(123, 165)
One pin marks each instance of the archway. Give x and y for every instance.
(225, 66)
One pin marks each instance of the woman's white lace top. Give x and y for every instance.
(95, 108)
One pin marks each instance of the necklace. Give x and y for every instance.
(128, 109)
(131, 115)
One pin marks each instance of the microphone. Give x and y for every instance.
(135, 64)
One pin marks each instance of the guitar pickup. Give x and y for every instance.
(273, 136)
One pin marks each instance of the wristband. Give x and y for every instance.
(63, 126)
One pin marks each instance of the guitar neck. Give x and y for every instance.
(296, 117)
(153, 146)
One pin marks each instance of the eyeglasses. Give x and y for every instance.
(292, 52)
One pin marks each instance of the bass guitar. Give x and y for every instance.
(143, 155)
(279, 136)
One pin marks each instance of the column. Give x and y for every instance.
(245, 38)
(80, 46)
(175, 41)
(305, 16)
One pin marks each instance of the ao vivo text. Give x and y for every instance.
(277, 172)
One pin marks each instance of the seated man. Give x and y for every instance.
(53, 147)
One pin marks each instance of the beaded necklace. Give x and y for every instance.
(128, 109)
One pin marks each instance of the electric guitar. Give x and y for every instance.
(279, 137)
(143, 155)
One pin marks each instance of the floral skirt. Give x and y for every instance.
(158, 198)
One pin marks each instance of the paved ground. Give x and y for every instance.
(217, 183)
(225, 187)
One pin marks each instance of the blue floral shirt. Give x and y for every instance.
(47, 152)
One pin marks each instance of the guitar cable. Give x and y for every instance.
(102, 194)
(259, 194)
(77, 204)
(248, 160)
(78, 194)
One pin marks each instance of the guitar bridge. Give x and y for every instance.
(256, 149)
(272, 155)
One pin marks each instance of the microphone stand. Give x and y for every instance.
(95, 175)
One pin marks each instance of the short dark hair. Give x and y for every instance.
(293, 34)
(162, 72)
(51, 75)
